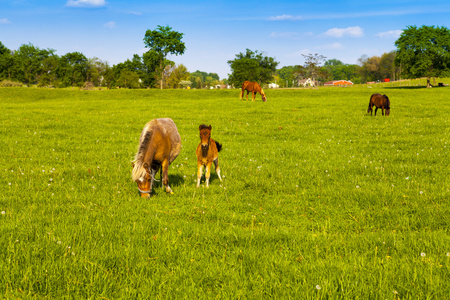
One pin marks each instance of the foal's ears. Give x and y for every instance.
(204, 126)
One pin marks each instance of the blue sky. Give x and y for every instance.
(215, 31)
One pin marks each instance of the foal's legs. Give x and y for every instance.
(208, 173)
(199, 172)
(216, 164)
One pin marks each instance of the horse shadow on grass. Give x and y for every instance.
(174, 181)
(412, 87)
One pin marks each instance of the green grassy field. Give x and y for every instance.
(319, 200)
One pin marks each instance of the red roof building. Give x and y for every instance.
(338, 83)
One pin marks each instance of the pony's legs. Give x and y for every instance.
(199, 173)
(247, 95)
(152, 180)
(208, 173)
(241, 95)
(253, 96)
(165, 168)
(376, 108)
(216, 164)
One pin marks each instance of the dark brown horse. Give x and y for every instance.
(254, 88)
(159, 145)
(207, 153)
(379, 101)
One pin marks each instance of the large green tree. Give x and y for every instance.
(179, 73)
(6, 62)
(424, 52)
(29, 59)
(337, 70)
(201, 79)
(73, 69)
(163, 41)
(286, 75)
(253, 66)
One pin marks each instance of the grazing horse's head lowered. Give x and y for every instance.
(159, 145)
(263, 95)
(144, 182)
(254, 88)
(379, 101)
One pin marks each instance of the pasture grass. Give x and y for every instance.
(319, 200)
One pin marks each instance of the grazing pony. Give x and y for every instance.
(379, 101)
(207, 153)
(253, 87)
(159, 145)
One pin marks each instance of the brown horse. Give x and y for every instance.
(207, 153)
(254, 88)
(379, 101)
(159, 145)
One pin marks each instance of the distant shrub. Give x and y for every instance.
(88, 86)
(9, 83)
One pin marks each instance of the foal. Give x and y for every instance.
(207, 153)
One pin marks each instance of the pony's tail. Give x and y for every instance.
(219, 146)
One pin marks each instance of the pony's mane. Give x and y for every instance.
(262, 92)
(138, 169)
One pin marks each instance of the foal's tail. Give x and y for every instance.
(219, 146)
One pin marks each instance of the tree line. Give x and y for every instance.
(368, 69)
(421, 52)
(32, 65)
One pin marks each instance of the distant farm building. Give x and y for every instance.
(307, 82)
(273, 86)
(338, 83)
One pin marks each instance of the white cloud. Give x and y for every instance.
(110, 25)
(135, 13)
(4, 21)
(355, 31)
(285, 18)
(390, 34)
(334, 46)
(86, 3)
